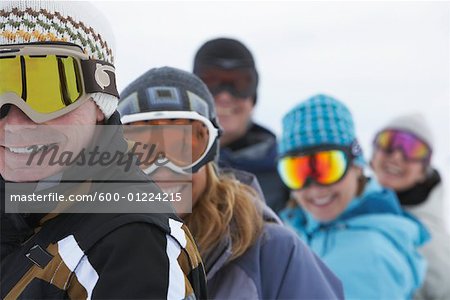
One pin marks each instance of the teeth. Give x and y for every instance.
(322, 201)
(27, 150)
(172, 190)
(393, 170)
(225, 111)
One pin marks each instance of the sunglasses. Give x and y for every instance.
(48, 80)
(240, 83)
(323, 165)
(412, 147)
(185, 138)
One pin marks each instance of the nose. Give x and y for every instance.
(313, 189)
(224, 98)
(16, 117)
(397, 155)
(13, 122)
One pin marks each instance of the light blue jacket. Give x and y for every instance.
(372, 247)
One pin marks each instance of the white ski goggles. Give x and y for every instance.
(182, 141)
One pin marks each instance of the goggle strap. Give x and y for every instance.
(355, 149)
(99, 77)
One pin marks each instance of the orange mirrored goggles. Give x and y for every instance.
(48, 80)
(323, 165)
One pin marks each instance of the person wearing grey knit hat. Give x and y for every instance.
(67, 239)
(169, 89)
(401, 161)
(233, 227)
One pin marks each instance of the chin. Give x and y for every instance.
(23, 176)
(29, 174)
(390, 184)
(325, 219)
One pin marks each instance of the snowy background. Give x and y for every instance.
(381, 58)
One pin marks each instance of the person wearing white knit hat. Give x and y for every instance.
(402, 161)
(57, 86)
(76, 23)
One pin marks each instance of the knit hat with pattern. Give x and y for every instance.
(320, 120)
(75, 22)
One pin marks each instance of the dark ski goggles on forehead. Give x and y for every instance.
(48, 80)
(412, 147)
(241, 83)
(323, 165)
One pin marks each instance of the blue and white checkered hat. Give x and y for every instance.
(320, 120)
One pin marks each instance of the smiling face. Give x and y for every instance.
(395, 172)
(326, 203)
(20, 138)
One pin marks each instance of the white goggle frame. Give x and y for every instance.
(191, 115)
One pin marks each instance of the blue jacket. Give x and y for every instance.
(256, 152)
(372, 247)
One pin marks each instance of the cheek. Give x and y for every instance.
(299, 197)
(86, 114)
(198, 184)
(348, 187)
(247, 107)
(414, 172)
(377, 159)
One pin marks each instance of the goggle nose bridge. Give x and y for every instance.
(230, 88)
(399, 148)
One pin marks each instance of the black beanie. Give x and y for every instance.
(226, 54)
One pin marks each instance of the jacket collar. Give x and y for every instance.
(221, 254)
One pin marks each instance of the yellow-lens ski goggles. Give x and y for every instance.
(48, 80)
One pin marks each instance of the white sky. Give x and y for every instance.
(381, 58)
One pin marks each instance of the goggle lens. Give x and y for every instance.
(10, 75)
(294, 171)
(51, 82)
(323, 167)
(182, 145)
(241, 83)
(330, 166)
(412, 147)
